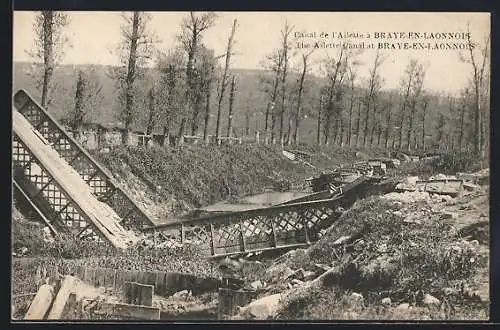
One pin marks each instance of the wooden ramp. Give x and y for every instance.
(48, 176)
(95, 176)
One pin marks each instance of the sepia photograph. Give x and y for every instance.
(194, 166)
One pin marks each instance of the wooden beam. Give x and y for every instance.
(41, 303)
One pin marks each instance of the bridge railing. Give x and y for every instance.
(281, 226)
(97, 177)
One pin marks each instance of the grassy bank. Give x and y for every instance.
(206, 174)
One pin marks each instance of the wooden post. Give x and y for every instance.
(212, 242)
(229, 299)
(182, 233)
(242, 232)
(304, 223)
(273, 228)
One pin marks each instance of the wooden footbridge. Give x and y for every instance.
(292, 224)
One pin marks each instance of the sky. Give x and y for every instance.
(94, 34)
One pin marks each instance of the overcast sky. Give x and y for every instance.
(94, 34)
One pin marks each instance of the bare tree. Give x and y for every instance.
(224, 80)
(273, 63)
(299, 96)
(48, 48)
(153, 113)
(208, 83)
(88, 96)
(192, 29)
(336, 69)
(441, 131)
(479, 63)
(203, 74)
(171, 89)
(372, 92)
(352, 79)
(136, 48)
(406, 84)
(417, 71)
(285, 38)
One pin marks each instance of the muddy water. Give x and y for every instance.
(254, 202)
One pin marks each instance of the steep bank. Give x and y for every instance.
(194, 176)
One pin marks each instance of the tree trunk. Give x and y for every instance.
(423, 124)
(48, 55)
(289, 133)
(365, 131)
(77, 117)
(282, 113)
(358, 122)
(477, 120)
(349, 129)
(165, 141)
(401, 129)
(329, 113)
(231, 102)
(151, 117)
(180, 137)
(318, 133)
(247, 122)
(130, 79)
(410, 125)
(283, 82)
(224, 79)
(196, 113)
(341, 133)
(207, 111)
(299, 99)
(388, 126)
(374, 125)
(266, 127)
(379, 135)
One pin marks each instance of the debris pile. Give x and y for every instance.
(406, 252)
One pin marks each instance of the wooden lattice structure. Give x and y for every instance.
(281, 226)
(39, 186)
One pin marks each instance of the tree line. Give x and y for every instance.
(177, 95)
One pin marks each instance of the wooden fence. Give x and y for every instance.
(165, 284)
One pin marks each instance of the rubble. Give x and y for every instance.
(471, 186)
(481, 177)
(386, 302)
(408, 196)
(257, 284)
(182, 294)
(260, 309)
(277, 272)
(403, 306)
(430, 300)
